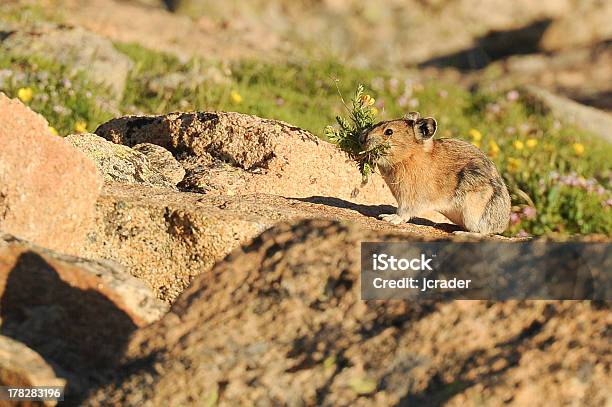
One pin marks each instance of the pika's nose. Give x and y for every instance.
(363, 137)
(368, 141)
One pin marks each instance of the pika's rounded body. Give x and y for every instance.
(450, 176)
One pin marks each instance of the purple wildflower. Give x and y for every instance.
(512, 96)
(494, 108)
(393, 84)
(529, 212)
(522, 233)
(524, 128)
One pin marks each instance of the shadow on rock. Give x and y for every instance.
(494, 46)
(600, 100)
(373, 211)
(81, 333)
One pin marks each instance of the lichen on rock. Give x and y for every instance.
(116, 162)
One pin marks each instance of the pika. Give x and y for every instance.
(450, 176)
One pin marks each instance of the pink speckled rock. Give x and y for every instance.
(48, 189)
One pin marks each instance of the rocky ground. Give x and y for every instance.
(212, 258)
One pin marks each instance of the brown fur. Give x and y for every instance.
(450, 176)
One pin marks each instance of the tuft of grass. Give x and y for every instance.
(26, 13)
(347, 135)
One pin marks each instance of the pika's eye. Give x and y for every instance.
(388, 132)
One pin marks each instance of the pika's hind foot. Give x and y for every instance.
(393, 218)
(464, 233)
(489, 236)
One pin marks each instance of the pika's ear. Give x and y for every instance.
(425, 128)
(412, 116)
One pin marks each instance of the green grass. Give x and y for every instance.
(64, 97)
(305, 94)
(26, 13)
(301, 93)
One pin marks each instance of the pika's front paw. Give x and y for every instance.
(466, 234)
(393, 218)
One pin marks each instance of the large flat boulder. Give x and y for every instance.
(281, 322)
(48, 189)
(166, 237)
(237, 154)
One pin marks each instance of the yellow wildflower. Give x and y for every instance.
(25, 94)
(514, 164)
(493, 148)
(578, 148)
(53, 131)
(235, 96)
(80, 126)
(476, 135)
(476, 143)
(367, 100)
(374, 111)
(518, 144)
(531, 143)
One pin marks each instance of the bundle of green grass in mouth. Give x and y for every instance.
(347, 136)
